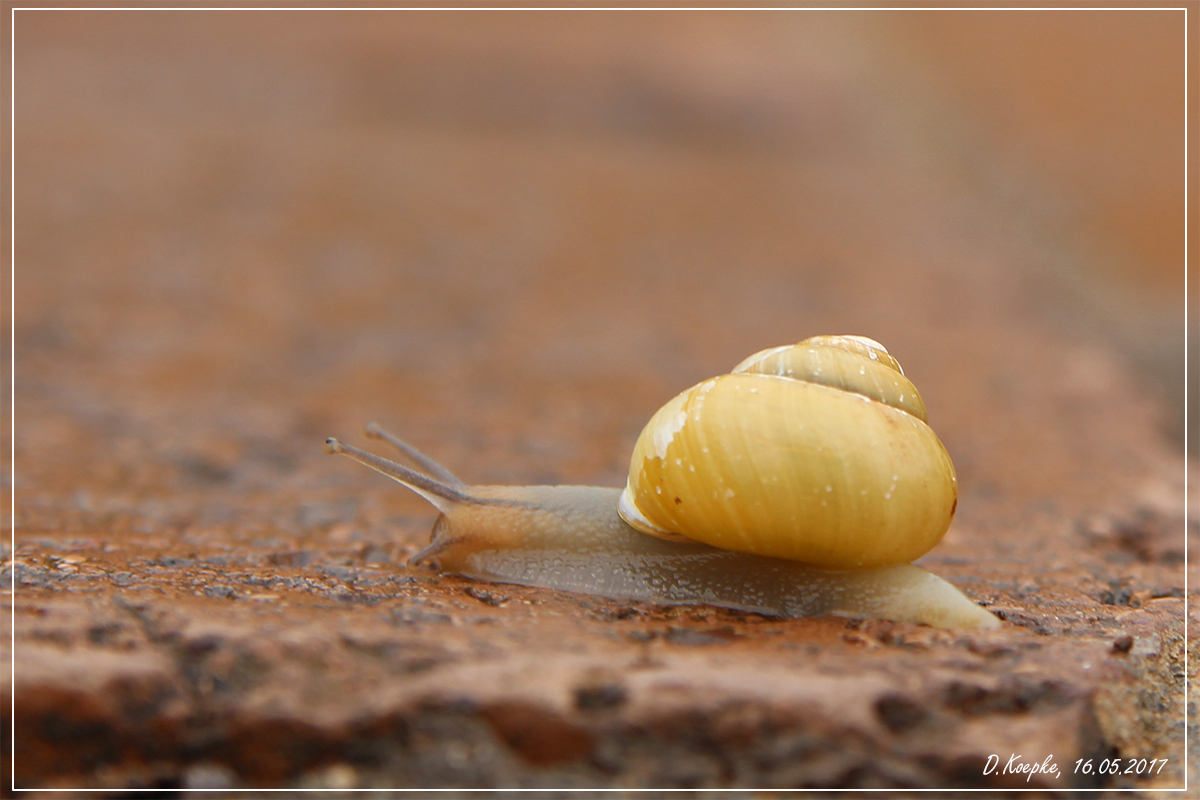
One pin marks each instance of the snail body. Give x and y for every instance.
(580, 538)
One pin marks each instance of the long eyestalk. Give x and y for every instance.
(441, 495)
(427, 464)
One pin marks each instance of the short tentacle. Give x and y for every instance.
(431, 467)
(439, 544)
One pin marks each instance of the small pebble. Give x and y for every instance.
(209, 776)
(335, 776)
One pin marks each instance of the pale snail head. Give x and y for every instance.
(802, 483)
(816, 452)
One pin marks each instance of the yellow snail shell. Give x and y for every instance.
(818, 452)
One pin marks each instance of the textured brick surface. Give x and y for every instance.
(510, 239)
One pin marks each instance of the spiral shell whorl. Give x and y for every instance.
(818, 452)
(843, 362)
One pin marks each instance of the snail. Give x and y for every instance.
(799, 484)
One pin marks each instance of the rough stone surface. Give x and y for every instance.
(510, 238)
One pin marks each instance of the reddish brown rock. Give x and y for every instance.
(510, 238)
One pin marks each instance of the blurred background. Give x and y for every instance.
(511, 236)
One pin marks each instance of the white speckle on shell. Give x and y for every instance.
(664, 435)
(677, 416)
